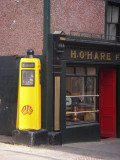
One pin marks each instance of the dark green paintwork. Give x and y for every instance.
(47, 89)
(8, 94)
(106, 6)
(46, 25)
(63, 97)
(81, 132)
(115, 1)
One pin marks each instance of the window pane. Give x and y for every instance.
(91, 70)
(80, 70)
(112, 20)
(109, 9)
(81, 97)
(77, 85)
(112, 31)
(89, 85)
(70, 70)
(115, 13)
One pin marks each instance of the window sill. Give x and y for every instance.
(81, 124)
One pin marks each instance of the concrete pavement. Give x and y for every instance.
(107, 149)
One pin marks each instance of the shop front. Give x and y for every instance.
(86, 88)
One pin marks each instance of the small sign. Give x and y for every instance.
(27, 110)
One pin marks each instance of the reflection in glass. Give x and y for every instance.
(28, 77)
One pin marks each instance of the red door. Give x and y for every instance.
(107, 102)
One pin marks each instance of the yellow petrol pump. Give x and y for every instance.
(29, 94)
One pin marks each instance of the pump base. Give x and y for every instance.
(30, 137)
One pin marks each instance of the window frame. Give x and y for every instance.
(117, 25)
(96, 88)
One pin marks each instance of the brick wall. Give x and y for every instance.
(78, 15)
(26, 32)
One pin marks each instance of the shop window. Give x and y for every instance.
(112, 22)
(81, 95)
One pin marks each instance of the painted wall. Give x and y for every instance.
(8, 93)
(78, 15)
(26, 32)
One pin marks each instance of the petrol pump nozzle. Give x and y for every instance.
(30, 53)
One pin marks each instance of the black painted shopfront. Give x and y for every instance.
(83, 89)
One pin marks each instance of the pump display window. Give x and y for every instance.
(81, 95)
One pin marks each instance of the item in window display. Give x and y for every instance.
(89, 117)
(82, 108)
(68, 101)
(68, 116)
(75, 101)
(75, 117)
(68, 92)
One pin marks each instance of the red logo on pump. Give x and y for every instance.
(27, 110)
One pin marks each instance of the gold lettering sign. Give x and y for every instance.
(96, 56)
(108, 56)
(117, 56)
(82, 55)
(89, 55)
(73, 53)
(102, 56)
(92, 55)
